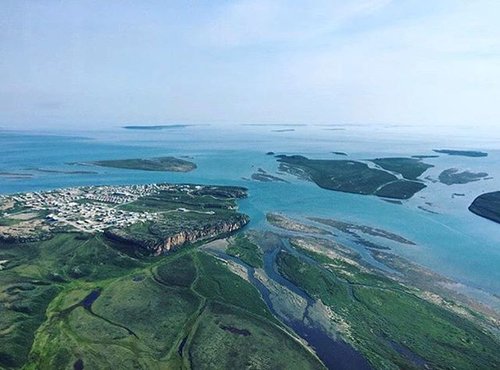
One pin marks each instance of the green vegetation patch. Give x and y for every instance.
(169, 200)
(7, 221)
(410, 168)
(154, 313)
(23, 302)
(242, 248)
(400, 189)
(181, 272)
(228, 338)
(217, 283)
(90, 327)
(387, 322)
(33, 276)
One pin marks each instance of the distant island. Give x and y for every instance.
(275, 124)
(357, 177)
(155, 127)
(487, 205)
(424, 156)
(65, 172)
(284, 130)
(170, 164)
(340, 153)
(15, 175)
(452, 176)
(463, 153)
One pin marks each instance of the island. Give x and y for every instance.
(16, 175)
(357, 177)
(463, 153)
(155, 127)
(65, 172)
(424, 156)
(340, 153)
(274, 124)
(170, 164)
(487, 205)
(453, 176)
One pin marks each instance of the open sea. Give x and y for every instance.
(449, 239)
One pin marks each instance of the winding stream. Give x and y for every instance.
(335, 353)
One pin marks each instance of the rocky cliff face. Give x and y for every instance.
(207, 232)
(156, 245)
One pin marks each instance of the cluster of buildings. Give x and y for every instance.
(91, 209)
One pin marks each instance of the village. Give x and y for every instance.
(87, 209)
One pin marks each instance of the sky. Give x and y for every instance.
(90, 64)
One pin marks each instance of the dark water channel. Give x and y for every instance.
(335, 354)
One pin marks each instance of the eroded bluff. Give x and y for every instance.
(162, 238)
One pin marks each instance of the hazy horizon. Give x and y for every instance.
(95, 64)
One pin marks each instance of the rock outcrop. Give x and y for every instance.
(151, 244)
(487, 206)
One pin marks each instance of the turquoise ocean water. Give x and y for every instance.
(450, 240)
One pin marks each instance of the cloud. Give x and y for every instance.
(256, 22)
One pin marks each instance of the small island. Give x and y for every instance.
(264, 176)
(16, 175)
(463, 153)
(154, 127)
(170, 164)
(65, 172)
(452, 176)
(487, 205)
(424, 156)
